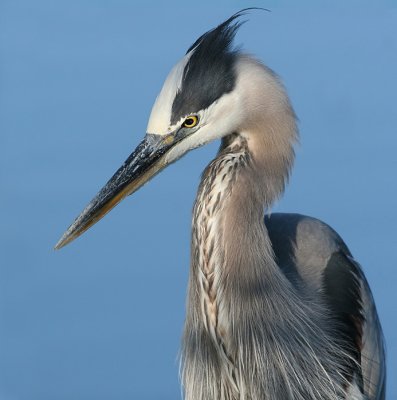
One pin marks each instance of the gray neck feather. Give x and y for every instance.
(246, 325)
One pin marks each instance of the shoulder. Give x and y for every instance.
(303, 229)
(304, 241)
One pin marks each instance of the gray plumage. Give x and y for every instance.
(277, 307)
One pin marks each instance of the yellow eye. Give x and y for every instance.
(190, 121)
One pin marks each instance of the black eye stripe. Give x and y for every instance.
(209, 72)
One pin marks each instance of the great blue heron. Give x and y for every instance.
(277, 306)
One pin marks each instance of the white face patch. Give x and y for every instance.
(160, 117)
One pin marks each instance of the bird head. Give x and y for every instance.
(207, 95)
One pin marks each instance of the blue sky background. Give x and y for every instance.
(102, 318)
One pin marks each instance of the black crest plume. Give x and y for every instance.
(209, 73)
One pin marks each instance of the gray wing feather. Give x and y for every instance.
(373, 358)
(309, 250)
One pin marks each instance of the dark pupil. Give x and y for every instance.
(189, 121)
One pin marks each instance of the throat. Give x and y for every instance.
(219, 186)
(229, 239)
(216, 190)
(232, 263)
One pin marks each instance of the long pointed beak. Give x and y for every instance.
(145, 161)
